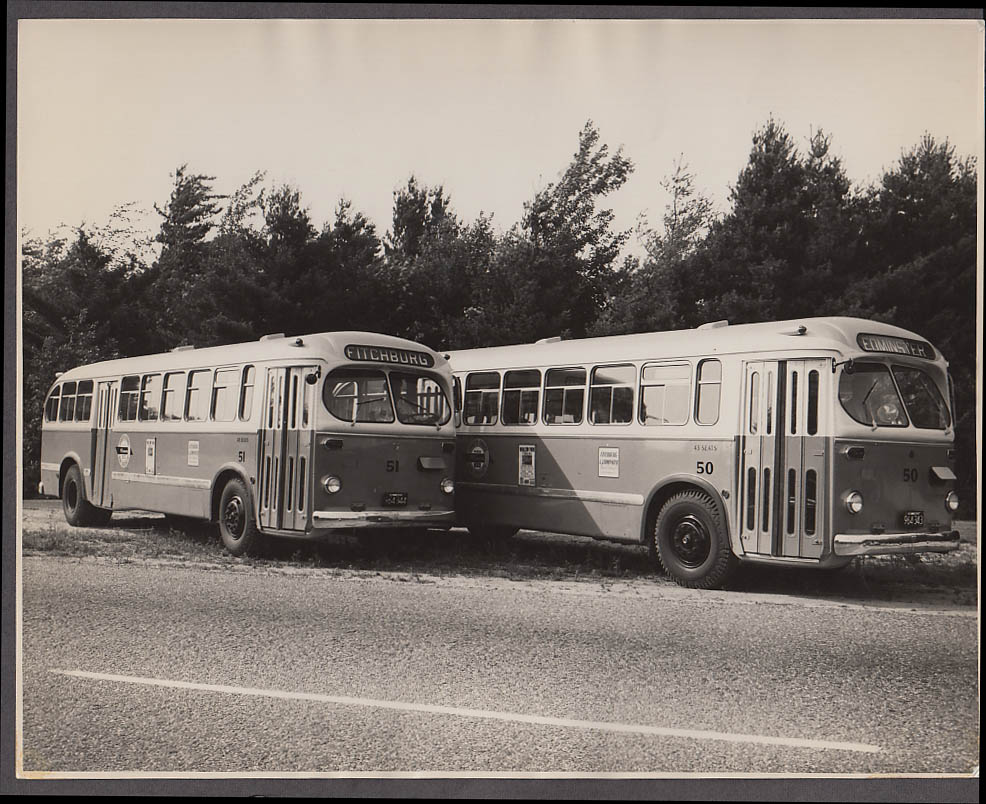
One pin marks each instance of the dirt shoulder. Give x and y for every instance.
(931, 580)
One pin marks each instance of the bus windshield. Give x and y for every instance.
(366, 395)
(419, 399)
(922, 398)
(868, 394)
(358, 395)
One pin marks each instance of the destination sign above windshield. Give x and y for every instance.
(388, 354)
(896, 346)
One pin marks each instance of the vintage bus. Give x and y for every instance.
(802, 442)
(286, 436)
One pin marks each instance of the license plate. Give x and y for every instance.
(395, 498)
(912, 518)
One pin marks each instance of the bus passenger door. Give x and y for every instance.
(99, 493)
(298, 438)
(804, 485)
(286, 447)
(762, 454)
(272, 449)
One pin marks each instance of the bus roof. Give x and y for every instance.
(804, 334)
(320, 345)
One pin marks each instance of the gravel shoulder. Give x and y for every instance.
(574, 565)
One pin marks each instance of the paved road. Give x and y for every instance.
(159, 667)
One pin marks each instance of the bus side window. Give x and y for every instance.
(521, 397)
(197, 396)
(51, 406)
(224, 395)
(482, 398)
(564, 395)
(174, 384)
(129, 390)
(66, 412)
(707, 391)
(611, 395)
(83, 402)
(246, 393)
(664, 393)
(150, 393)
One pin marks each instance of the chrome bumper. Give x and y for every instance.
(381, 519)
(877, 544)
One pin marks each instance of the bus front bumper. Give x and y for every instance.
(877, 544)
(382, 519)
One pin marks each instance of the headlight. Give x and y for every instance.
(332, 484)
(952, 501)
(448, 486)
(854, 502)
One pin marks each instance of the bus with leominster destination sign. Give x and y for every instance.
(285, 436)
(803, 443)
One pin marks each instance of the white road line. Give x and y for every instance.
(486, 714)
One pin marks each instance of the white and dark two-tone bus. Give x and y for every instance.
(803, 442)
(287, 436)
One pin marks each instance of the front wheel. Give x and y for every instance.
(690, 541)
(237, 529)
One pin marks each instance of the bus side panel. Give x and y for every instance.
(56, 446)
(171, 472)
(603, 493)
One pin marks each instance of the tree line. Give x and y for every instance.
(798, 239)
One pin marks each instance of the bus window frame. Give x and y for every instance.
(141, 395)
(64, 415)
(245, 396)
(612, 393)
(232, 387)
(172, 416)
(651, 384)
(565, 389)
(520, 390)
(206, 392)
(700, 384)
(80, 395)
(125, 397)
(482, 392)
(54, 398)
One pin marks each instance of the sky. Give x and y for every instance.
(490, 109)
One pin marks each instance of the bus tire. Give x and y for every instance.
(79, 512)
(239, 533)
(690, 541)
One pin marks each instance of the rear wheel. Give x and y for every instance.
(237, 528)
(690, 541)
(78, 510)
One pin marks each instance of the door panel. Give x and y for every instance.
(272, 448)
(763, 447)
(99, 492)
(286, 446)
(784, 469)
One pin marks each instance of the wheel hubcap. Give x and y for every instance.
(690, 541)
(233, 518)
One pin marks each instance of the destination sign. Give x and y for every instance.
(388, 354)
(897, 346)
